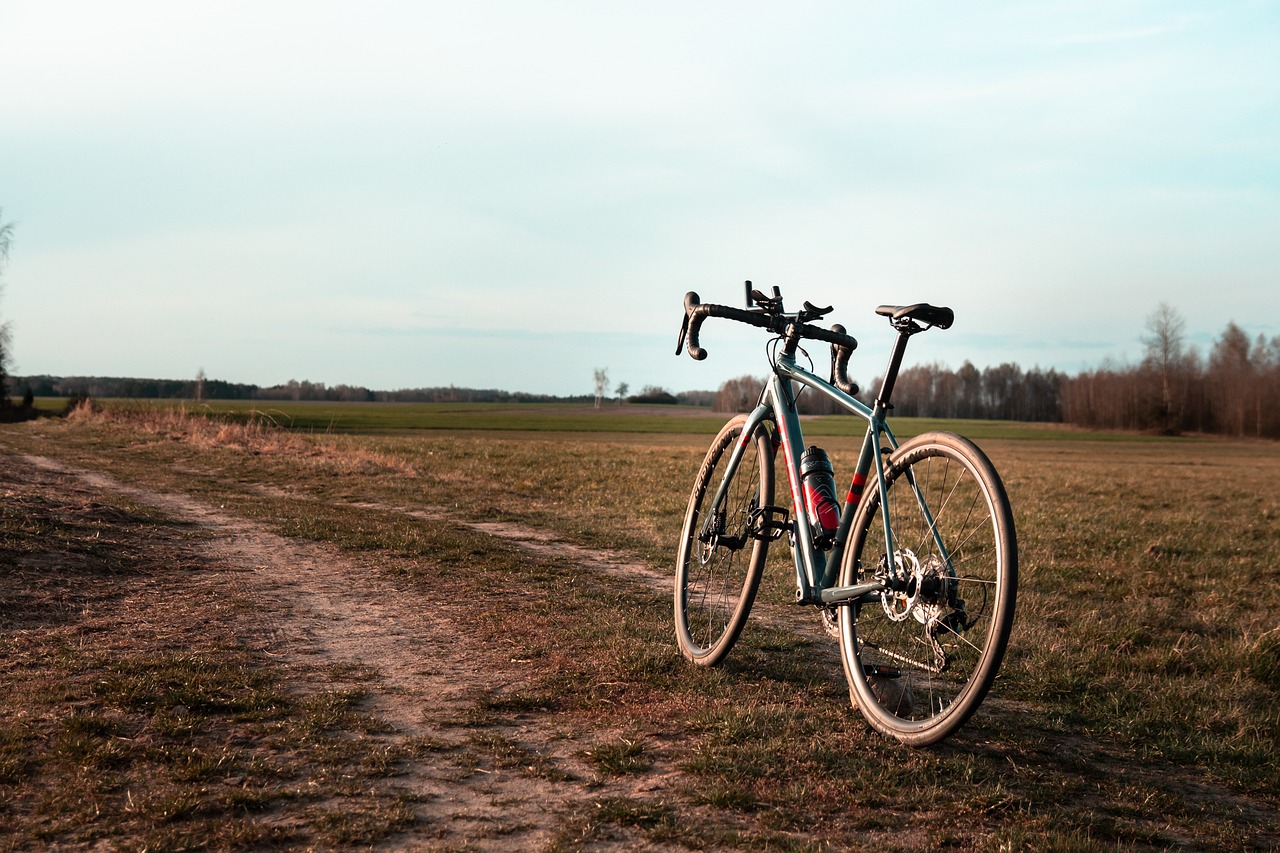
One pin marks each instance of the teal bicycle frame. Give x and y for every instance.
(817, 570)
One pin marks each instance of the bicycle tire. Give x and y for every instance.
(920, 661)
(720, 560)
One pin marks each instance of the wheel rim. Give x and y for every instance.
(926, 648)
(718, 553)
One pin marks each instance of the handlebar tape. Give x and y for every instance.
(696, 313)
(840, 364)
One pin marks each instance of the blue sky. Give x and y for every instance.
(509, 195)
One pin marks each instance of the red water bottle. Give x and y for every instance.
(818, 479)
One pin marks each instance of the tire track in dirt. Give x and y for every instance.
(615, 564)
(316, 608)
(803, 623)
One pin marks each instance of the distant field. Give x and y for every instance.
(366, 418)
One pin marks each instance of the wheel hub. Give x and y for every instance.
(923, 590)
(936, 588)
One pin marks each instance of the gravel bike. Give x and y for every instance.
(916, 576)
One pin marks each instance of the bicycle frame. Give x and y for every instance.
(816, 570)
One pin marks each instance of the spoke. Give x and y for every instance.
(970, 579)
(961, 638)
(927, 533)
(975, 529)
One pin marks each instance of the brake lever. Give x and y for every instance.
(691, 301)
(768, 304)
(684, 330)
(813, 312)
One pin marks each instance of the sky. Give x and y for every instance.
(512, 195)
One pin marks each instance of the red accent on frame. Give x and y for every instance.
(797, 494)
(855, 489)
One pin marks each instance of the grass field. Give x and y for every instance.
(368, 418)
(1138, 708)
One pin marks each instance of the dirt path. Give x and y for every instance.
(314, 607)
(621, 566)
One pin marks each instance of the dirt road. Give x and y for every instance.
(312, 608)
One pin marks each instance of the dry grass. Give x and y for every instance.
(254, 434)
(1136, 709)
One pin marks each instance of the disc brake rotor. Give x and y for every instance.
(900, 602)
(710, 538)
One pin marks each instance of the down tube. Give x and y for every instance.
(808, 574)
(870, 458)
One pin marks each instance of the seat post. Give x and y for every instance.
(895, 364)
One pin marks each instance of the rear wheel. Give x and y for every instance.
(723, 546)
(920, 658)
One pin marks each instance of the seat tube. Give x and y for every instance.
(851, 501)
(882, 486)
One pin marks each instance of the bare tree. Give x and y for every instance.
(1231, 377)
(1166, 356)
(6, 235)
(969, 391)
(602, 384)
(738, 395)
(621, 392)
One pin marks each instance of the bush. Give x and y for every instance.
(653, 395)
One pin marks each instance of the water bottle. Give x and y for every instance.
(818, 479)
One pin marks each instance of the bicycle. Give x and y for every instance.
(922, 602)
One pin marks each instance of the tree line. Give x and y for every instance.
(1235, 390)
(298, 390)
(293, 390)
(1004, 392)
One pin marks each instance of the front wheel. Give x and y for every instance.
(723, 544)
(920, 657)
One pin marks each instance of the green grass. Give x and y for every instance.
(374, 418)
(1136, 708)
(324, 417)
(620, 757)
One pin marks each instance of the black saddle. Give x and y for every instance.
(930, 315)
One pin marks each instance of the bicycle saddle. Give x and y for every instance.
(931, 315)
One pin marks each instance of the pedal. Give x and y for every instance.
(769, 523)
